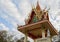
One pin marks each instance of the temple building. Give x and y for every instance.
(37, 26)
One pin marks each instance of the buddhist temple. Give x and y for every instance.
(37, 26)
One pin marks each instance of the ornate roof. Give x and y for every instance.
(37, 20)
(37, 14)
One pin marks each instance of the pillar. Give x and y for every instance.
(43, 33)
(48, 33)
(25, 39)
(34, 40)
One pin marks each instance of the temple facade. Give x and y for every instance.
(37, 26)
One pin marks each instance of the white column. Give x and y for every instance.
(34, 40)
(48, 33)
(25, 39)
(43, 33)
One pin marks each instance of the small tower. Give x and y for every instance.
(38, 27)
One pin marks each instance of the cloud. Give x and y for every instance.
(25, 7)
(3, 27)
(10, 17)
(11, 12)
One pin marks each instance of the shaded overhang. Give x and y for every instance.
(34, 30)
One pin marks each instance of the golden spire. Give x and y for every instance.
(38, 6)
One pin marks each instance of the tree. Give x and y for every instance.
(18, 40)
(22, 40)
(2, 36)
(5, 36)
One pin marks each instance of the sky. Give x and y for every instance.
(14, 12)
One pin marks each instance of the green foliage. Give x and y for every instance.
(18, 40)
(22, 40)
(2, 36)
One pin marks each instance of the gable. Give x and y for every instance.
(33, 18)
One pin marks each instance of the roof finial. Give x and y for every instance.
(37, 2)
(38, 6)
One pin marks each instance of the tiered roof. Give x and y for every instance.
(37, 14)
(37, 20)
